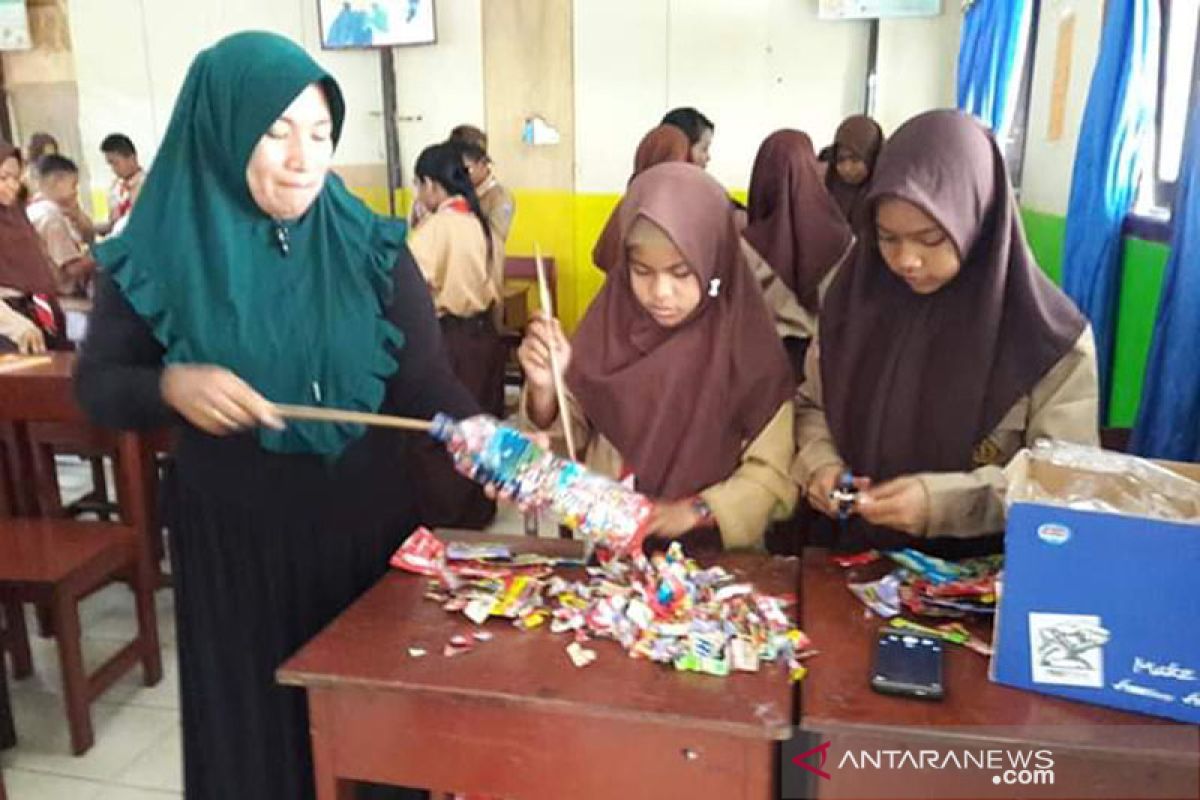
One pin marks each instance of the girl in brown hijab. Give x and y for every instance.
(943, 350)
(26, 280)
(851, 159)
(676, 378)
(795, 226)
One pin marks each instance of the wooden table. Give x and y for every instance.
(1096, 751)
(515, 718)
(46, 394)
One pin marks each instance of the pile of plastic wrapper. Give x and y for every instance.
(664, 608)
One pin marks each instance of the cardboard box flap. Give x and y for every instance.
(1089, 479)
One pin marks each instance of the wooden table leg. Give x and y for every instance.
(321, 728)
(65, 609)
(16, 638)
(21, 462)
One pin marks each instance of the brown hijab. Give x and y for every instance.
(794, 223)
(861, 136)
(680, 403)
(23, 263)
(664, 144)
(912, 383)
(661, 145)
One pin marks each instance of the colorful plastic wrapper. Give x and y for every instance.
(881, 596)
(605, 513)
(1089, 479)
(665, 608)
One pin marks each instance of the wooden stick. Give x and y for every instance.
(315, 414)
(555, 370)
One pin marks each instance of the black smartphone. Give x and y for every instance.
(908, 664)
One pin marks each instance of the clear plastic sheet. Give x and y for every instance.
(1089, 479)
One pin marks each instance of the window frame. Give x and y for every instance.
(1162, 193)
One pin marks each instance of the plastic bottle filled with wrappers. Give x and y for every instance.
(605, 513)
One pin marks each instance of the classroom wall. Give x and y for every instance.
(1046, 185)
(753, 66)
(917, 64)
(133, 74)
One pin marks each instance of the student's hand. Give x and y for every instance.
(901, 503)
(822, 483)
(542, 334)
(215, 400)
(671, 520)
(30, 340)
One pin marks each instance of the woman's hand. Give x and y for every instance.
(215, 400)
(901, 503)
(671, 520)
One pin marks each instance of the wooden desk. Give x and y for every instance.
(46, 393)
(1096, 752)
(514, 718)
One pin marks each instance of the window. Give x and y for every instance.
(1013, 144)
(1178, 83)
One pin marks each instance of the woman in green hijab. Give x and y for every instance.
(249, 275)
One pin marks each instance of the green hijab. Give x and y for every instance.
(204, 265)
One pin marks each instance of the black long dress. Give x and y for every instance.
(266, 548)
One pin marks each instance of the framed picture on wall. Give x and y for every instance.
(357, 24)
(877, 9)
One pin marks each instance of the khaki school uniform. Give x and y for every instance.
(1063, 405)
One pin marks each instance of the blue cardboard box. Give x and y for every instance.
(1101, 607)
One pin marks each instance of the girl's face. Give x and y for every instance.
(478, 170)
(659, 275)
(850, 168)
(430, 193)
(914, 246)
(10, 181)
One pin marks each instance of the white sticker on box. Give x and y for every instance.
(1067, 649)
(1054, 533)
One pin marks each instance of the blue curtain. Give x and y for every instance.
(1117, 125)
(994, 37)
(1168, 424)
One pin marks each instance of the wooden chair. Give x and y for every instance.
(523, 270)
(58, 562)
